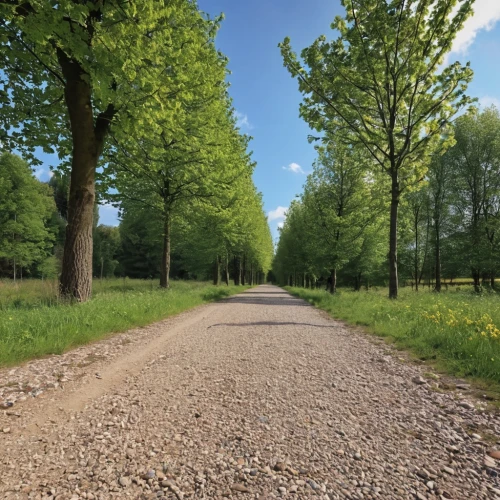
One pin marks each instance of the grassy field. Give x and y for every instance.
(34, 323)
(459, 331)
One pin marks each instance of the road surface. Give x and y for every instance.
(258, 396)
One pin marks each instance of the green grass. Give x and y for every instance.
(34, 323)
(458, 331)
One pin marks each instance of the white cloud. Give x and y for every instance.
(242, 121)
(108, 206)
(281, 224)
(488, 101)
(295, 168)
(486, 15)
(278, 214)
(50, 174)
(39, 172)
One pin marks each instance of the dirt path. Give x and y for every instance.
(260, 396)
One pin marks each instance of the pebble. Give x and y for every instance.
(240, 487)
(419, 380)
(466, 405)
(125, 481)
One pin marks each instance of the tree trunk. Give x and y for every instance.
(102, 268)
(236, 263)
(88, 141)
(333, 283)
(165, 258)
(76, 275)
(415, 258)
(227, 271)
(438, 258)
(243, 271)
(15, 270)
(217, 271)
(393, 239)
(476, 276)
(492, 280)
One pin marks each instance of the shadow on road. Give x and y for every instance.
(284, 300)
(272, 323)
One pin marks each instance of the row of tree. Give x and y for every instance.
(449, 223)
(384, 102)
(225, 238)
(134, 100)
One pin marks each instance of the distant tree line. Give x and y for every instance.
(449, 224)
(220, 241)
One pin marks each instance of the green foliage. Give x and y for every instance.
(381, 78)
(457, 330)
(128, 54)
(381, 81)
(337, 222)
(29, 330)
(26, 205)
(141, 240)
(106, 247)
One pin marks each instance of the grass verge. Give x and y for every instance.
(32, 327)
(459, 332)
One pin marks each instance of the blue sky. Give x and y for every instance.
(267, 99)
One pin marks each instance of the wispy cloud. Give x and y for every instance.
(295, 168)
(38, 173)
(278, 214)
(242, 121)
(486, 15)
(281, 224)
(488, 101)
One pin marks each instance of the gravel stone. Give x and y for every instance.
(258, 396)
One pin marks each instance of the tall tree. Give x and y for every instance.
(74, 71)
(382, 78)
(195, 162)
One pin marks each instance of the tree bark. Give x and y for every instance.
(415, 258)
(88, 142)
(165, 259)
(393, 239)
(76, 275)
(227, 270)
(476, 276)
(243, 271)
(438, 257)
(333, 283)
(217, 271)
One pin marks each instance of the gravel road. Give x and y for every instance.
(258, 396)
